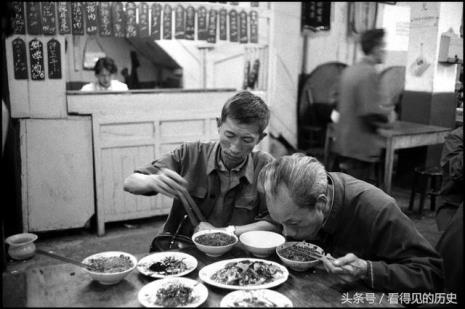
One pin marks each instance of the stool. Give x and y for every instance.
(426, 181)
(375, 168)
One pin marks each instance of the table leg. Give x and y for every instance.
(388, 164)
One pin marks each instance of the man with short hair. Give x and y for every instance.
(357, 223)
(220, 176)
(104, 69)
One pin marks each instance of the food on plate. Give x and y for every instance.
(247, 272)
(110, 264)
(215, 239)
(254, 301)
(173, 295)
(298, 252)
(170, 265)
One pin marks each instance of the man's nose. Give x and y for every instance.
(288, 232)
(235, 147)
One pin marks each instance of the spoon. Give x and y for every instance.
(65, 259)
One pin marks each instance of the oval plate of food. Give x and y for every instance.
(167, 264)
(173, 292)
(244, 274)
(255, 299)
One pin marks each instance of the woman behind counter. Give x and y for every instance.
(104, 69)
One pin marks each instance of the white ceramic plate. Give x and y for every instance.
(207, 272)
(263, 298)
(147, 294)
(145, 263)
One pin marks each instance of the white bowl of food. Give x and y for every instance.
(110, 267)
(261, 243)
(297, 255)
(214, 243)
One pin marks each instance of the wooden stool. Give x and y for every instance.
(426, 181)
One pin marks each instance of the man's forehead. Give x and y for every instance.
(239, 127)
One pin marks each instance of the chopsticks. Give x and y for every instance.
(311, 253)
(64, 259)
(192, 210)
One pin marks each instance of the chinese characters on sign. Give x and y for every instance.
(19, 59)
(316, 15)
(91, 17)
(19, 21)
(54, 59)
(37, 60)
(105, 26)
(77, 23)
(64, 18)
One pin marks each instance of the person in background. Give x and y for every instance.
(359, 225)
(220, 176)
(362, 109)
(104, 69)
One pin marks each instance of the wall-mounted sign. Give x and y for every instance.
(316, 15)
(19, 58)
(131, 25)
(233, 26)
(167, 31)
(212, 19)
(77, 18)
(179, 22)
(156, 21)
(143, 27)
(54, 59)
(49, 18)
(223, 21)
(190, 23)
(253, 27)
(243, 35)
(118, 18)
(34, 20)
(202, 27)
(37, 60)
(19, 21)
(105, 25)
(64, 17)
(91, 17)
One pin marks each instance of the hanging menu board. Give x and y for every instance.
(253, 27)
(34, 20)
(48, 18)
(64, 18)
(104, 24)
(156, 22)
(37, 60)
(77, 18)
(233, 26)
(91, 17)
(223, 24)
(179, 24)
(212, 26)
(119, 29)
(190, 23)
(202, 31)
(54, 59)
(316, 15)
(143, 27)
(167, 31)
(131, 25)
(19, 22)
(19, 58)
(243, 38)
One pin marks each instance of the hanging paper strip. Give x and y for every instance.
(212, 19)
(223, 24)
(233, 26)
(143, 26)
(167, 27)
(64, 17)
(253, 27)
(118, 17)
(77, 18)
(19, 59)
(37, 60)
(190, 23)
(202, 31)
(91, 9)
(54, 59)
(34, 23)
(156, 22)
(105, 26)
(131, 24)
(179, 24)
(19, 22)
(49, 18)
(243, 38)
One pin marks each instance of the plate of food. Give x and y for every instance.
(244, 274)
(173, 292)
(255, 299)
(167, 264)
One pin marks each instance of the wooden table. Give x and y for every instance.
(403, 135)
(67, 285)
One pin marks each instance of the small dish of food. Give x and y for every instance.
(173, 292)
(110, 267)
(167, 264)
(255, 299)
(214, 243)
(298, 255)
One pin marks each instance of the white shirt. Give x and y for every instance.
(116, 85)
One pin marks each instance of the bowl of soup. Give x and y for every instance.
(110, 267)
(214, 243)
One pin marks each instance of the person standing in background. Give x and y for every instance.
(104, 69)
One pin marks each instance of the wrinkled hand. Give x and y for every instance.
(349, 267)
(204, 226)
(168, 182)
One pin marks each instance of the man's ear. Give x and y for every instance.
(321, 202)
(218, 122)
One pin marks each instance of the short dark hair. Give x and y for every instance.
(370, 39)
(245, 107)
(105, 63)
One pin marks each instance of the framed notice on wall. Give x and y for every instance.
(64, 17)
(316, 15)
(19, 58)
(36, 51)
(54, 59)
